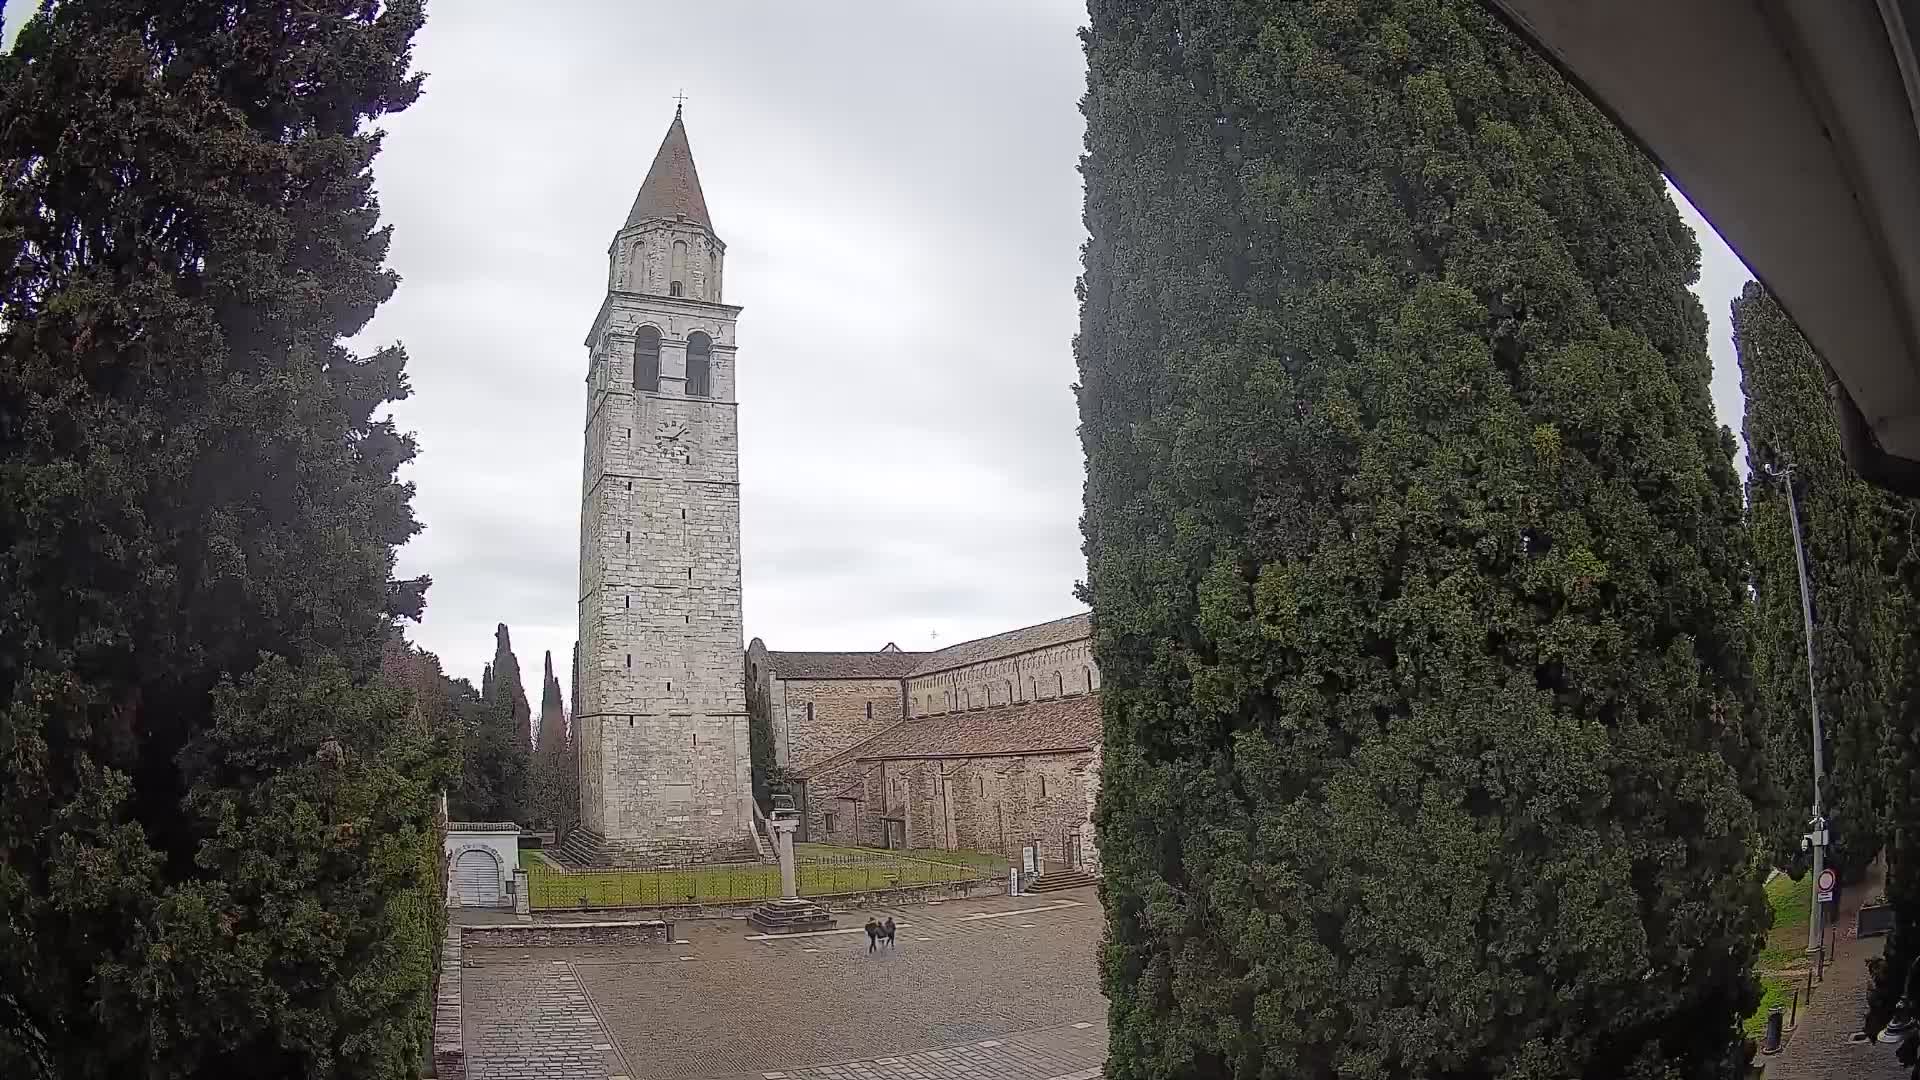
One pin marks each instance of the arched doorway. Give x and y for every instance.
(476, 877)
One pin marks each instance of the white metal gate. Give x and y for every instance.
(477, 879)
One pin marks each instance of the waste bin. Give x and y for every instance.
(1775, 1021)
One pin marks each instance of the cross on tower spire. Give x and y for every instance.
(679, 99)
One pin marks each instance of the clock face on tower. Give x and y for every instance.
(668, 437)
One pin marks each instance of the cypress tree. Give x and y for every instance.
(1846, 525)
(1415, 558)
(217, 848)
(552, 793)
(553, 716)
(508, 691)
(1865, 577)
(1902, 777)
(499, 781)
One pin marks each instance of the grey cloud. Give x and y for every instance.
(897, 187)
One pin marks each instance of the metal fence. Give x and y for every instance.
(720, 883)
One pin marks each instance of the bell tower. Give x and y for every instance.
(662, 715)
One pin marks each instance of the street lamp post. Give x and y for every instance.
(1816, 840)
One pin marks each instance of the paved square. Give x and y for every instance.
(1003, 989)
(540, 1025)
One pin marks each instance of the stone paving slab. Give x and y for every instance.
(1071, 1052)
(982, 982)
(532, 1021)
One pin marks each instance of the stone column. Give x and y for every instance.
(783, 849)
(789, 914)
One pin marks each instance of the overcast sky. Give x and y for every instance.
(896, 185)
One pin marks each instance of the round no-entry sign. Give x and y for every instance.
(1826, 883)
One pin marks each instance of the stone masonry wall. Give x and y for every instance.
(527, 935)
(843, 712)
(641, 260)
(449, 1045)
(1031, 676)
(981, 804)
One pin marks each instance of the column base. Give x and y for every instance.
(792, 916)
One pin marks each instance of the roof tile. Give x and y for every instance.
(1056, 725)
(672, 185)
(1025, 639)
(841, 665)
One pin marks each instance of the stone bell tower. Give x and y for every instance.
(662, 717)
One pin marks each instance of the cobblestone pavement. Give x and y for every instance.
(1050, 1054)
(990, 989)
(1821, 1046)
(539, 1023)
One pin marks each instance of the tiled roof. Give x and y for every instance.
(891, 663)
(842, 665)
(672, 185)
(1057, 725)
(1025, 639)
(482, 826)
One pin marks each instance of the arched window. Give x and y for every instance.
(1089, 672)
(646, 360)
(1060, 684)
(699, 365)
(674, 289)
(1009, 691)
(679, 275)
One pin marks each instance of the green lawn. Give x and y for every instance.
(992, 862)
(821, 870)
(1785, 948)
(1791, 901)
(1773, 991)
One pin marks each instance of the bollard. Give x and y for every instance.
(1771, 1045)
(1794, 1016)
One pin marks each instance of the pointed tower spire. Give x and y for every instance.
(672, 185)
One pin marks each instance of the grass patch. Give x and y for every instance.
(1791, 901)
(1772, 992)
(821, 871)
(990, 861)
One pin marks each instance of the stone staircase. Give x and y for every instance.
(762, 837)
(790, 917)
(1057, 879)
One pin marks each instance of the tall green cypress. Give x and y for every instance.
(507, 689)
(504, 745)
(1415, 557)
(1901, 771)
(1864, 573)
(1847, 526)
(553, 796)
(217, 845)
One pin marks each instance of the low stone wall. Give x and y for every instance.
(449, 1049)
(611, 932)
